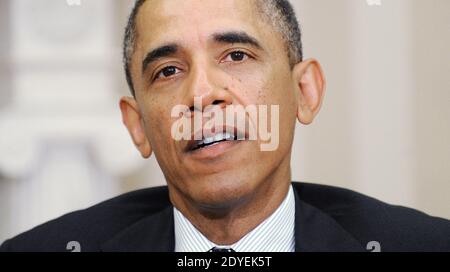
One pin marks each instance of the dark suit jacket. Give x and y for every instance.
(327, 219)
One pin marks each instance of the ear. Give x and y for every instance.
(310, 87)
(132, 119)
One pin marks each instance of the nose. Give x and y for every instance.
(207, 86)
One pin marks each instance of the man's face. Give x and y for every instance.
(196, 53)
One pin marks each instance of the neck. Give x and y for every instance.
(229, 225)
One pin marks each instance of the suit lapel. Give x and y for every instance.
(317, 231)
(154, 233)
(314, 231)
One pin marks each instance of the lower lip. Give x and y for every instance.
(213, 151)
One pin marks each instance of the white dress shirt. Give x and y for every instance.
(274, 234)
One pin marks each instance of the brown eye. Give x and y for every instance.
(167, 72)
(236, 56)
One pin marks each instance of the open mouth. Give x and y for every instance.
(215, 139)
(218, 138)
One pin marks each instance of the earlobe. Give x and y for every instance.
(310, 85)
(132, 119)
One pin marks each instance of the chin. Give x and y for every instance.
(216, 192)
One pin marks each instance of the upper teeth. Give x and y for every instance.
(216, 138)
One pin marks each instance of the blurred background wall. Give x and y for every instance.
(384, 129)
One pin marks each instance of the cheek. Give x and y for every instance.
(250, 88)
(280, 91)
(272, 88)
(264, 85)
(270, 91)
(157, 123)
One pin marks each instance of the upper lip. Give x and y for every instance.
(216, 135)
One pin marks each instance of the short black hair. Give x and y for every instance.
(279, 13)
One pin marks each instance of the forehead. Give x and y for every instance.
(162, 21)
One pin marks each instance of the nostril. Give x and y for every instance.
(218, 102)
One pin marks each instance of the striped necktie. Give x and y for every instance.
(223, 249)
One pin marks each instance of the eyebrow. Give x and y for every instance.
(236, 37)
(226, 37)
(158, 53)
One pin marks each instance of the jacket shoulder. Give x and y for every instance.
(92, 226)
(396, 228)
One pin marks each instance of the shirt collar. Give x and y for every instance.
(275, 234)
